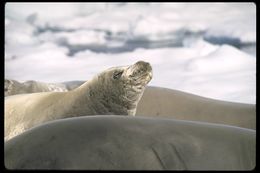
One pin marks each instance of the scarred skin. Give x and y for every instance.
(115, 91)
(132, 143)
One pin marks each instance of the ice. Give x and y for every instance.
(206, 49)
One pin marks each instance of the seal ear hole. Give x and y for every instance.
(117, 74)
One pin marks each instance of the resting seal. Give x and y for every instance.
(114, 91)
(124, 142)
(13, 87)
(175, 104)
(185, 106)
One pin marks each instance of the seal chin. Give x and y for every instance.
(147, 77)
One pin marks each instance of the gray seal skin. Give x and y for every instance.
(132, 143)
(115, 91)
(169, 103)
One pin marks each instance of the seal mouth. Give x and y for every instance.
(140, 73)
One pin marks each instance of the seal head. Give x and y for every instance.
(118, 90)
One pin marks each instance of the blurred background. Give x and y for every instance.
(208, 49)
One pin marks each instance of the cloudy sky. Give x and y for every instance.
(208, 49)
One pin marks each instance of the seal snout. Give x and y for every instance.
(141, 71)
(142, 66)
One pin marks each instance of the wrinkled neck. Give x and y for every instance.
(100, 100)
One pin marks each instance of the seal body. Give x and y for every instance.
(114, 91)
(169, 103)
(133, 143)
(163, 102)
(13, 87)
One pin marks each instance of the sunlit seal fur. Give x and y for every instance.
(115, 91)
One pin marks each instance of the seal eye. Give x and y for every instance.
(117, 74)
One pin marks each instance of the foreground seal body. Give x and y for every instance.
(124, 142)
(114, 91)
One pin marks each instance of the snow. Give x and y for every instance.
(202, 48)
